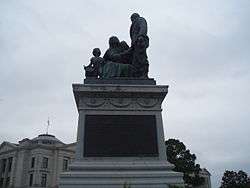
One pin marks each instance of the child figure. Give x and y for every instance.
(92, 70)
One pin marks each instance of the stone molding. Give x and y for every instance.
(126, 97)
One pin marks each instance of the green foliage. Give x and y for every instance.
(174, 186)
(184, 162)
(233, 179)
(126, 185)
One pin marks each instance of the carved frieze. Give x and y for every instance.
(147, 102)
(119, 103)
(119, 97)
(94, 101)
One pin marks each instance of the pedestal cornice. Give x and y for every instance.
(119, 97)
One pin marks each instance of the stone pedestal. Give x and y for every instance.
(120, 138)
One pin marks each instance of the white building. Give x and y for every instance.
(38, 162)
(34, 163)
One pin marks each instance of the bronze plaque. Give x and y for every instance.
(120, 136)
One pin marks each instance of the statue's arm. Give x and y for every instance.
(143, 27)
(90, 63)
(105, 56)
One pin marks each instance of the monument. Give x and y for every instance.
(120, 138)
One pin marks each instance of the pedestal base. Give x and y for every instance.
(116, 175)
(120, 137)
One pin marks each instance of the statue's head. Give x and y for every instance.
(124, 45)
(134, 16)
(114, 42)
(96, 52)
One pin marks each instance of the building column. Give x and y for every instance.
(1, 166)
(5, 172)
(209, 181)
(36, 178)
(55, 170)
(13, 170)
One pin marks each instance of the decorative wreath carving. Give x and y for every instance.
(120, 102)
(94, 102)
(147, 102)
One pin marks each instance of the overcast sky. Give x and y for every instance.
(200, 48)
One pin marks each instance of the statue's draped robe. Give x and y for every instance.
(113, 66)
(132, 62)
(138, 28)
(139, 43)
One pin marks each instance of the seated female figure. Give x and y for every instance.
(114, 65)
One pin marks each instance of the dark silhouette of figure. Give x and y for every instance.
(92, 70)
(120, 60)
(113, 50)
(124, 46)
(139, 45)
(118, 51)
(114, 65)
(125, 55)
(137, 28)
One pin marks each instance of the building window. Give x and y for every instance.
(31, 180)
(10, 163)
(33, 159)
(47, 142)
(45, 162)
(43, 180)
(65, 164)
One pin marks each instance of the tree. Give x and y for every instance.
(184, 162)
(232, 179)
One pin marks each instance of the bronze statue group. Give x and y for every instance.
(120, 60)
